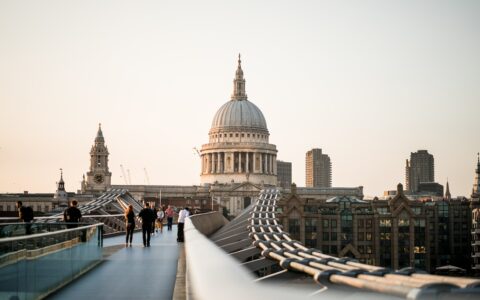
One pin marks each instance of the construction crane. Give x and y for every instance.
(196, 151)
(146, 176)
(123, 174)
(129, 178)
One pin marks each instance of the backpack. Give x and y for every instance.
(28, 214)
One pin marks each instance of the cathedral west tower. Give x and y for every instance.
(98, 177)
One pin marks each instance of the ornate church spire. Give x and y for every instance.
(99, 138)
(239, 83)
(447, 192)
(60, 198)
(61, 183)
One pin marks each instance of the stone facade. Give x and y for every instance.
(392, 233)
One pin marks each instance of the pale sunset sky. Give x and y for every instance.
(366, 81)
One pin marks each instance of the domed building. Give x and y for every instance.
(239, 149)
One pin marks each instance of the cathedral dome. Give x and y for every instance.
(237, 114)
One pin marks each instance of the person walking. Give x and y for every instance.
(148, 217)
(154, 209)
(170, 213)
(25, 213)
(160, 217)
(130, 220)
(72, 215)
(184, 213)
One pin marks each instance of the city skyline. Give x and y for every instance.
(368, 83)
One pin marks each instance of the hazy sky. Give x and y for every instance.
(366, 81)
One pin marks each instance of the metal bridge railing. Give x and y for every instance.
(277, 245)
(212, 274)
(34, 265)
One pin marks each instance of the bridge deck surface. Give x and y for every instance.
(130, 273)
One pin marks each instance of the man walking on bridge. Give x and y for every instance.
(72, 215)
(148, 217)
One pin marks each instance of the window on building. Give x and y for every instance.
(294, 228)
(361, 236)
(360, 223)
(385, 223)
(368, 223)
(368, 235)
(442, 209)
(334, 236)
(326, 236)
(382, 210)
(325, 223)
(334, 224)
(310, 225)
(334, 250)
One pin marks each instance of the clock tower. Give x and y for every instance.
(99, 177)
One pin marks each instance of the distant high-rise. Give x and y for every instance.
(284, 174)
(476, 182)
(420, 168)
(318, 169)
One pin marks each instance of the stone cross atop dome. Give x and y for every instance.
(239, 83)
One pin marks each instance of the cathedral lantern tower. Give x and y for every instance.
(98, 177)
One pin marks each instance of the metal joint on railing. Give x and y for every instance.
(380, 272)
(409, 271)
(266, 253)
(354, 273)
(286, 263)
(344, 260)
(325, 261)
(258, 242)
(306, 261)
(323, 277)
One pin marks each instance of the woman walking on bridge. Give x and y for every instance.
(130, 219)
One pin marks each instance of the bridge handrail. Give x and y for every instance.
(60, 217)
(208, 275)
(46, 234)
(268, 235)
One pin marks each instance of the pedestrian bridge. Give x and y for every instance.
(251, 257)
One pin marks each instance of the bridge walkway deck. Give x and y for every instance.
(131, 272)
